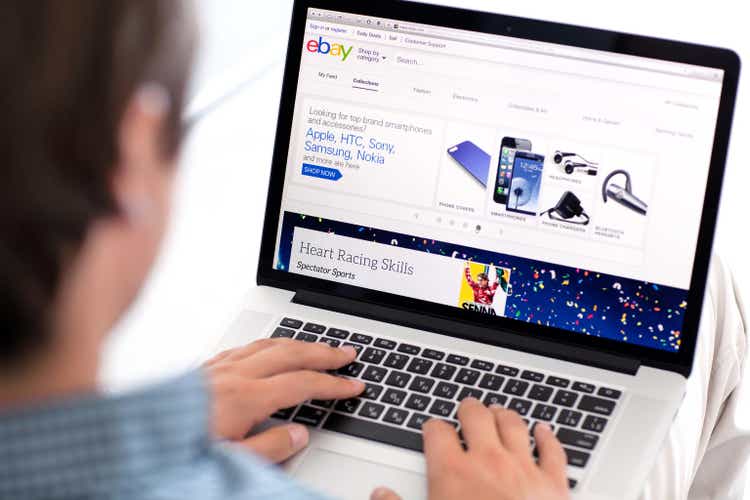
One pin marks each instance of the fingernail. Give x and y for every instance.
(349, 350)
(358, 384)
(154, 99)
(495, 406)
(544, 426)
(299, 436)
(379, 493)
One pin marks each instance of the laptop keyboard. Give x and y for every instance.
(407, 384)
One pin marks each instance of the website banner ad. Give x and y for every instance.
(582, 301)
(361, 151)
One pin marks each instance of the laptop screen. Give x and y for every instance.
(543, 183)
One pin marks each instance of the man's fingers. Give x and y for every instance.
(441, 444)
(514, 433)
(478, 425)
(552, 459)
(279, 443)
(289, 389)
(383, 493)
(296, 355)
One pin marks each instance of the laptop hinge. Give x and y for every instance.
(454, 328)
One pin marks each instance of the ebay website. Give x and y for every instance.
(543, 183)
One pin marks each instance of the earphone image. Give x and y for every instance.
(570, 166)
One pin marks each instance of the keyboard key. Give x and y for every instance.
(419, 365)
(282, 333)
(596, 405)
(576, 438)
(395, 360)
(313, 328)
(375, 431)
(565, 398)
(421, 384)
(291, 323)
(493, 398)
(491, 382)
(337, 333)
(360, 338)
(442, 408)
(583, 387)
(455, 359)
(398, 379)
(372, 355)
(569, 417)
(508, 371)
(395, 416)
(543, 412)
(394, 397)
(482, 365)
(533, 376)
(348, 405)
(284, 413)
(609, 393)
(443, 371)
(374, 374)
(521, 406)
(469, 392)
(409, 349)
(576, 458)
(446, 390)
(351, 370)
(372, 391)
(385, 344)
(416, 421)
(418, 402)
(357, 347)
(309, 416)
(540, 393)
(372, 410)
(516, 387)
(433, 354)
(558, 382)
(323, 403)
(306, 337)
(331, 342)
(593, 423)
(572, 483)
(467, 376)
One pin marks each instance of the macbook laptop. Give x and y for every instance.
(567, 285)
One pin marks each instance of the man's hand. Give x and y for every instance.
(497, 463)
(252, 382)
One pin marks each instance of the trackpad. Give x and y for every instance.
(345, 476)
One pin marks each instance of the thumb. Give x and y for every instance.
(278, 443)
(383, 493)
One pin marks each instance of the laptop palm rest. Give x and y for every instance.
(345, 476)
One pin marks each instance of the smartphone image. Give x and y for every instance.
(508, 148)
(473, 160)
(525, 183)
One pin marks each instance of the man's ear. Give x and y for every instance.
(141, 157)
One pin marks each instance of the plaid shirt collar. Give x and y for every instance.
(102, 446)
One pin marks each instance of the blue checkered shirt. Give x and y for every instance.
(152, 444)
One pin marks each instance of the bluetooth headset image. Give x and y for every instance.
(570, 166)
(623, 195)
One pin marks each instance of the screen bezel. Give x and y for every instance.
(542, 31)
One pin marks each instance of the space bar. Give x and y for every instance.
(371, 430)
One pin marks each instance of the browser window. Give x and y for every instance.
(543, 183)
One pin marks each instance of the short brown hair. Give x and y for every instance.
(68, 71)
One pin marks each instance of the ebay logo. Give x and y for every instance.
(320, 46)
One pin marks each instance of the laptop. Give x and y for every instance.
(567, 285)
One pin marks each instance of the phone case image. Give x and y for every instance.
(473, 159)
